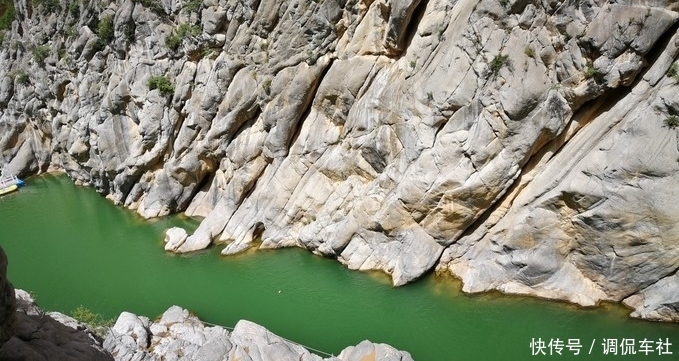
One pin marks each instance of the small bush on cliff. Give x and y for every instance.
(19, 76)
(97, 322)
(40, 53)
(105, 29)
(193, 5)
(673, 71)
(7, 14)
(175, 40)
(498, 62)
(74, 9)
(530, 52)
(672, 121)
(22, 78)
(590, 71)
(162, 84)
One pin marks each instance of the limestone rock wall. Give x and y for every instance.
(525, 146)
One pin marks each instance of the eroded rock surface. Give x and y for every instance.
(28, 333)
(178, 335)
(524, 146)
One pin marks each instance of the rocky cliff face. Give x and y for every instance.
(528, 146)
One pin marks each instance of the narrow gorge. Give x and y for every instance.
(525, 146)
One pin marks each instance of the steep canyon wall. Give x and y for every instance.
(528, 146)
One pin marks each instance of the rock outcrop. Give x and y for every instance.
(49, 336)
(28, 333)
(525, 146)
(178, 335)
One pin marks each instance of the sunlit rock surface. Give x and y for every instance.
(178, 335)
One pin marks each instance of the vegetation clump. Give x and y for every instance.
(193, 5)
(498, 62)
(105, 29)
(672, 121)
(7, 14)
(590, 71)
(175, 40)
(19, 76)
(161, 83)
(529, 51)
(74, 9)
(673, 71)
(40, 53)
(97, 322)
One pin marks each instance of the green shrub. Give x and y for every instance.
(129, 30)
(74, 9)
(529, 51)
(162, 84)
(672, 121)
(7, 14)
(153, 5)
(105, 29)
(673, 71)
(193, 5)
(175, 40)
(97, 45)
(206, 52)
(20, 76)
(497, 63)
(590, 71)
(95, 321)
(70, 32)
(40, 53)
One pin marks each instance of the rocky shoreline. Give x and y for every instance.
(29, 333)
(525, 146)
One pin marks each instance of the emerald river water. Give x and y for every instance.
(69, 247)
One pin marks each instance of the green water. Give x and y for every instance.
(71, 247)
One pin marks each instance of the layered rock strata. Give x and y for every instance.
(525, 146)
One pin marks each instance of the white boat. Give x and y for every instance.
(9, 184)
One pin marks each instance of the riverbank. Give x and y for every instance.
(111, 260)
(35, 334)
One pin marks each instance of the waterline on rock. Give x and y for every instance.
(71, 246)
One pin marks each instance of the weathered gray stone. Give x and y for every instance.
(370, 351)
(178, 335)
(52, 336)
(479, 136)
